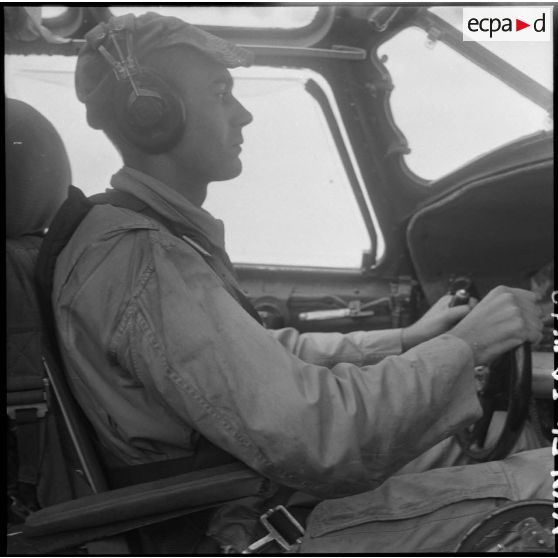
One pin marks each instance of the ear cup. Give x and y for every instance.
(153, 119)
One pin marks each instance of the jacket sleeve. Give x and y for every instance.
(329, 349)
(327, 431)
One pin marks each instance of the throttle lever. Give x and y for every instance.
(460, 298)
(462, 289)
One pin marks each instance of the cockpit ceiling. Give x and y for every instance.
(289, 25)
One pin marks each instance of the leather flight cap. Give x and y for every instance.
(148, 32)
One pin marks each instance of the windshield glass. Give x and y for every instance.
(532, 58)
(264, 17)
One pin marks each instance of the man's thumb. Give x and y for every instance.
(457, 313)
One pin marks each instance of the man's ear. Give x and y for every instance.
(148, 112)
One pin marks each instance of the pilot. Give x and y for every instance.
(166, 356)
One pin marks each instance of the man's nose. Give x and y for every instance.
(243, 116)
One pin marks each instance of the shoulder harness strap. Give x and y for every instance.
(71, 214)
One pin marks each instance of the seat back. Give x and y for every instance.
(37, 178)
(43, 454)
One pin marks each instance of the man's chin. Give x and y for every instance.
(232, 171)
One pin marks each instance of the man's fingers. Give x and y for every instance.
(525, 295)
(535, 329)
(519, 294)
(502, 320)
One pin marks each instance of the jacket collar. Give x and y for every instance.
(170, 204)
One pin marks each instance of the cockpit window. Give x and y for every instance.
(295, 188)
(532, 58)
(452, 111)
(51, 12)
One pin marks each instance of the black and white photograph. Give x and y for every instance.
(280, 278)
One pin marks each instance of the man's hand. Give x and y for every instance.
(439, 319)
(504, 319)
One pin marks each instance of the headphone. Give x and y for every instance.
(148, 113)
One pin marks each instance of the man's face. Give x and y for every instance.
(210, 147)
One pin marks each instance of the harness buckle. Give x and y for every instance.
(38, 399)
(281, 528)
(40, 408)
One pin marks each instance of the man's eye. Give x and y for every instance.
(224, 96)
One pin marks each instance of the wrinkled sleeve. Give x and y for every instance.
(329, 349)
(327, 431)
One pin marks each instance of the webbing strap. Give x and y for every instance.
(206, 455)
(69, 216)
(28, 434)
